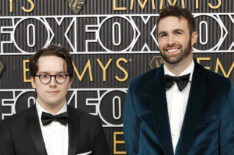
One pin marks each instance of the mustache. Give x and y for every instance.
(172, 45)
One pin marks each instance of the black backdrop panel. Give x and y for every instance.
(111, 42)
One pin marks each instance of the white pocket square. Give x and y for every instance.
(85, 153)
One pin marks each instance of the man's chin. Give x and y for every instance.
(172, 59)
(52, 103)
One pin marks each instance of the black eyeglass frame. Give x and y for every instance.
(39, 76)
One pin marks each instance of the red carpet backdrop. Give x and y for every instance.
(111, 41)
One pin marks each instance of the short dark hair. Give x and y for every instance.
(52, 50)
(178, 12)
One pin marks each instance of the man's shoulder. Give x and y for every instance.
(216, 79)
(146, 77)
(17, 118)
(86, 122)
(80, 114)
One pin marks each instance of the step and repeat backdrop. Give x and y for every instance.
(111, 41)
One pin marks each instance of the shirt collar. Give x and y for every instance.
(188, 70)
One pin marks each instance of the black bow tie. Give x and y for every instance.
(181, 81)
(47, 118)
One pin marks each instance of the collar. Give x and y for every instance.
(188, 70)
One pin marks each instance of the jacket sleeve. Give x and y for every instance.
(130, 125)
(100, 145)
(227, 124)
(6, 143)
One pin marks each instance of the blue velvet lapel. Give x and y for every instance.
(160, 112)
(73, 127)
(35, 130)
(194, 110)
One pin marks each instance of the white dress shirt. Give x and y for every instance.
(177, 103)
(55, 135)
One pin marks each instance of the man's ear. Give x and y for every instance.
(194, 37)
(70, 82)
(32, 82)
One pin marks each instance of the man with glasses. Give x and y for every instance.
(52, 127)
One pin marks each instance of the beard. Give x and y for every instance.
(179, 57)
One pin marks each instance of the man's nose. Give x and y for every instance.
(171, 40)
(53, 81)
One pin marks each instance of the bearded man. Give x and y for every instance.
(179, 108)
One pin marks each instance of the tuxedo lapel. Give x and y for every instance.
(35, 130)
(73, 124)
(160, 112)
(194, 110)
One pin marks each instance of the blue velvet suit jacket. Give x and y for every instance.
(208, 126)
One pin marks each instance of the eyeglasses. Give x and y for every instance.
(45, 78)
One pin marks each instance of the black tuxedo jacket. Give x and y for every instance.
(208, 126)
(21, 134)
